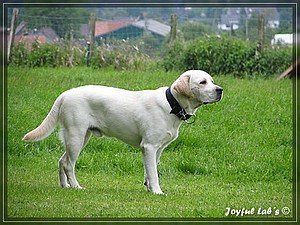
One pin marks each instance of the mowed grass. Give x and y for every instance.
(238, 154)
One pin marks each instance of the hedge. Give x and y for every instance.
(214, 54)
(226, 55)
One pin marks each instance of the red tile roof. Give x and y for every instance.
(29, 40)
(103, 27)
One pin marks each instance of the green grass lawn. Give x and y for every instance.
(238, 154)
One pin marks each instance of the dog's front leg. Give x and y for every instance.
(150, 166)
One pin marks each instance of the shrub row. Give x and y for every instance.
(216, 55)
(125, 56)
(48, 55)
(225, 55)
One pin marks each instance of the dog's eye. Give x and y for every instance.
(203, 82)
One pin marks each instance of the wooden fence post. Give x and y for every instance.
(12, 32)
(71, 58)
(261, 32)
(92, 32)
(173, 28)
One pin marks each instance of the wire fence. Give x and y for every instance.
(238, 40)
(129, 41)
(151, 30)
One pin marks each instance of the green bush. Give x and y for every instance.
(48, 55)
(274, 61)
(226, 55)
(122, 56)
(43, 55)
(214, 54)
(19, 55)
(173, 58)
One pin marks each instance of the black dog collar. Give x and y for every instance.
(176, 108)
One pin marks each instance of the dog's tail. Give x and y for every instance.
(47, 126)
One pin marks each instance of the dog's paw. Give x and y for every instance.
(78, 187)
(159, 193)
(65, 185)
(156, 191)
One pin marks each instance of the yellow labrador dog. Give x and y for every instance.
(148, 119)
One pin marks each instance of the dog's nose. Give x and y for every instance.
(219, 90)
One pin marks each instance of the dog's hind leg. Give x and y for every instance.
(62, 174)
(74, 141)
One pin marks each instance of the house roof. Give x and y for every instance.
(30, 39)
(20, 28)
(270, 13)
(49, 33)
(232, 17)
(153, 26)
(105, 27)
(43, 35)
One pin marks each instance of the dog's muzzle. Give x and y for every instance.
(219, 91)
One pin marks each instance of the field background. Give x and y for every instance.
(237, 154)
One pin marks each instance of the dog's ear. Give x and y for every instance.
(182, 86)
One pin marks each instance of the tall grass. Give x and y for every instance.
(237, 154)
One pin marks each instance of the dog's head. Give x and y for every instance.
(198, 85)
